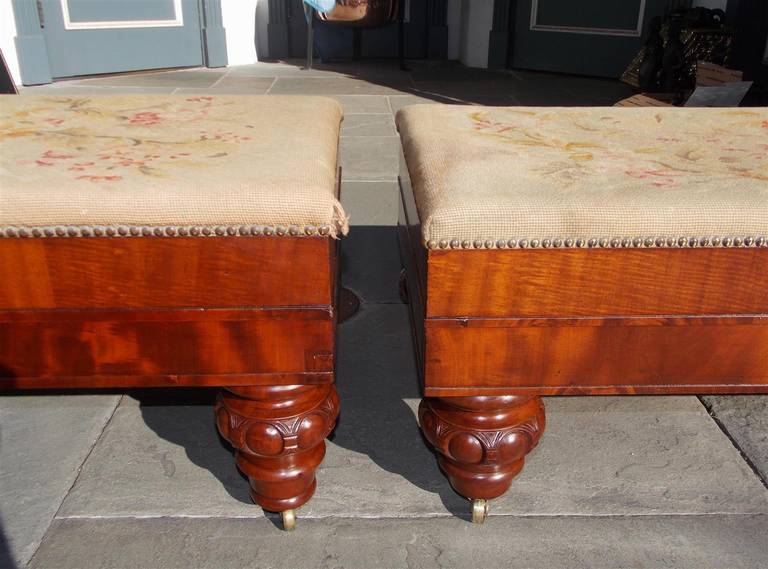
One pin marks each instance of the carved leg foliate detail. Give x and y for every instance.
(279, 437)
(481, 442)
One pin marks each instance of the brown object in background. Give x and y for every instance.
(362, 13)
(710, 74)
(710, 45)
(641, 100)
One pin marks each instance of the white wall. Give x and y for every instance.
(262, 20)
(239, 21)
(7, 35)
(477, 21)
(454, 29)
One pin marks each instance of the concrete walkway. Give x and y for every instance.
(140, 479)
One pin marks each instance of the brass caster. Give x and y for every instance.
(479, 511)
(289, 519)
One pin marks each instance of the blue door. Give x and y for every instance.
(585, 37)
(87, 37)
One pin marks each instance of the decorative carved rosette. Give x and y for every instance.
(279, 436)
(482, 441)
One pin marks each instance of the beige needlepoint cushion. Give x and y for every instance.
(491, 177)
(175, 163)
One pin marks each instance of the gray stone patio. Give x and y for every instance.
(140, 479)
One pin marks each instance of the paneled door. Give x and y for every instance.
(586, 37)
(86, 37)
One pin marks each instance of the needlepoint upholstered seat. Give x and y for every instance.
(519, 176)
(179, 241)
(577, 251)
(170, 164)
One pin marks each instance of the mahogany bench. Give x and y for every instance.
(577, 252)
(179, 241)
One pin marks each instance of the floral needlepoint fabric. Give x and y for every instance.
(612, 175)
(169, 160)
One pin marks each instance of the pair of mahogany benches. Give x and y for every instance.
(191, 241)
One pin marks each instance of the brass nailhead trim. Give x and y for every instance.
(603, 242)
(161, 231)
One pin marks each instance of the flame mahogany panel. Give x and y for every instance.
(597, 356)
(168, 343)
(156, 311)
(533, 283)
(146, 272)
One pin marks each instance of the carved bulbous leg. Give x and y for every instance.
(279, 437)
(481, 442)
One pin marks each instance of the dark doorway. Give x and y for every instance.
(585, 37)
(425, 34)
(750, 19)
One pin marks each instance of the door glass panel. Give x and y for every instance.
(120, 10)
(88, 37)
(588, 13)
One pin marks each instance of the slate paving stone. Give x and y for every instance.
(634, 455)
(289, 68)
(672, 542)
(370, 263)
(549, 89)
(160, 459)
(368, 125)
(335, 86)
(369, 158)
(242, 85)
(293, 67)
(363, 104)
(455, 93)
(373, 70)
(370, 203)
(43, 441)
(539, 97)
(186, 78)
(398, 102)
(455, 71)
(253, 89)
(745, 418)
(80, 89)
(597, 93)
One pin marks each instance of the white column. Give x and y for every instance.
(7, 43)
(477, 21)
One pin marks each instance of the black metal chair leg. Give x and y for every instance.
(309, 12)
(401, 36)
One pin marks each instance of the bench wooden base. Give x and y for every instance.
(254, 315)
(482, 441)
(496, 329)
(279, 436)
